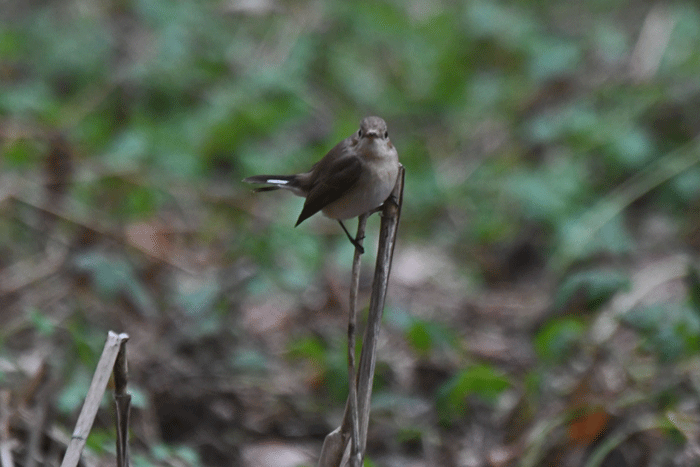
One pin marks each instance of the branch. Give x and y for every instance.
(93, 398)
(355, 456)
(335, 446)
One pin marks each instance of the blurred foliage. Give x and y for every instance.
(552, 144)
(329, 363)
(592, 287)
(670, 330)
(425, 336)
(482, 381)
(556, 341)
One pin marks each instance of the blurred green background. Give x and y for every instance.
(545, 300)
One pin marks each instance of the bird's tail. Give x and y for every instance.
(275, 182)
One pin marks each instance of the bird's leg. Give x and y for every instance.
(354, 241)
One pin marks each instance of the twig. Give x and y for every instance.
(335, 446)
(355, 456)
(34, 456)
(385, 253)
(42, 389)
(642, 284)
(652, 43)
(93, 398)
(6, 442)
(122, 400)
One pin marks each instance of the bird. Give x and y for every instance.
(355, 177)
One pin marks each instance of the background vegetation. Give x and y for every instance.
(545, 302)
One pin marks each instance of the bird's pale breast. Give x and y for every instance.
(373, 188)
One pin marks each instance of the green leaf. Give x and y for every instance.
(335, 375)
(596, 286)
(71, 396)
(11, 44)
(558, 123)
(550, 193)
(553, 56)
(581, 236)
(114, 276)
(87, 344)
(250, 361)
(482, 381)
(508, 24)
(632, 149)
(42, 323)
(141, 201)
(426, 335)
(309, 347)
(611, 42)
(671, 330)
(558, 338)
(101, 440)
(197, 295)
(188, 454)
(419, 337)
(687, 184)
(613, 237)
(22, 153)
(30, 97)
(128, 150)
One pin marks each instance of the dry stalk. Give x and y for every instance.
(337, 449)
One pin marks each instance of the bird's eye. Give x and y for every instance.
(386, 134)
(359, 133)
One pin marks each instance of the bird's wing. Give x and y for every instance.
(342, 175)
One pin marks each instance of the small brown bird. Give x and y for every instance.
(354, 178)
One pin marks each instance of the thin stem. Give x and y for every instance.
(391, 213)
(355, 457)
(335, 450)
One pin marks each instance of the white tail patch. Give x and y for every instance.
(274, 181)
